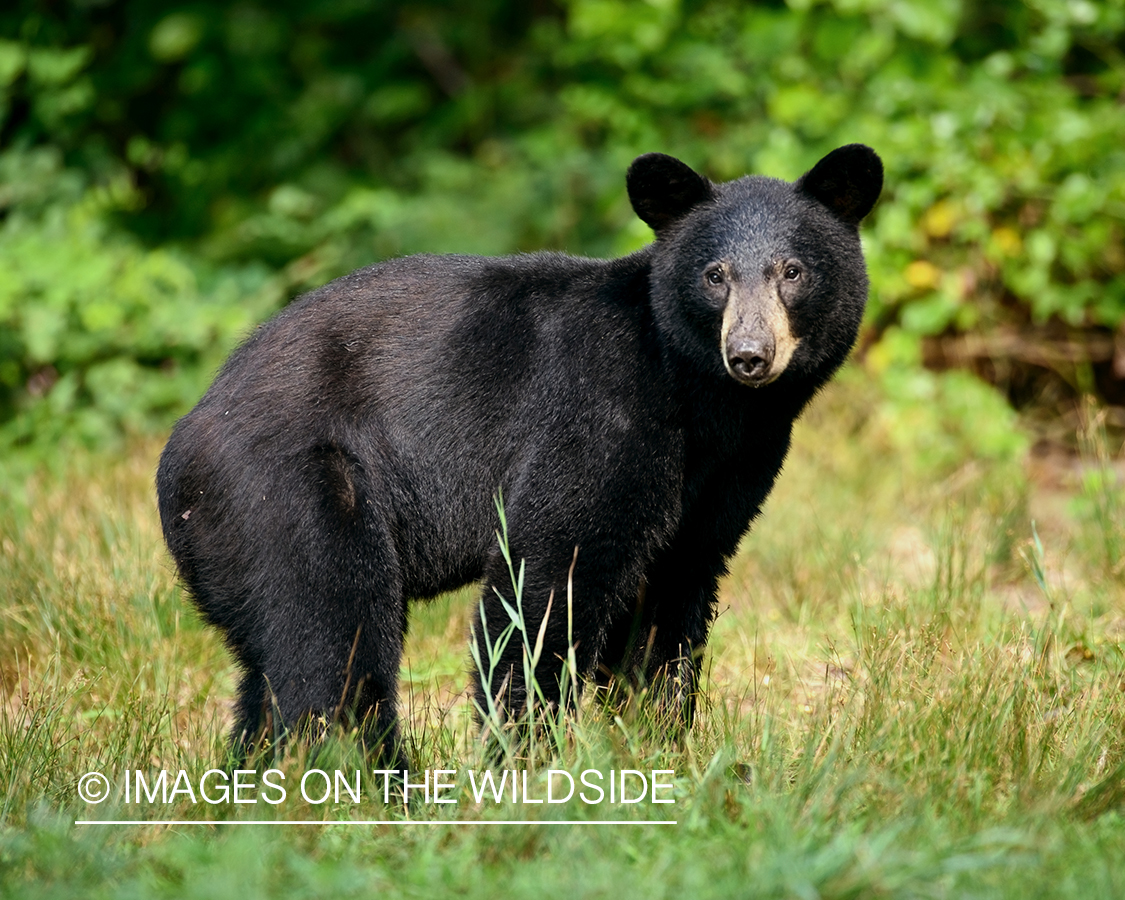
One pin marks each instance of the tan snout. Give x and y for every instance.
(756, 341)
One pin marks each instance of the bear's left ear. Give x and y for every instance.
(663, 190)
(848, 181)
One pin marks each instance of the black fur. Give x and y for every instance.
(346, 458)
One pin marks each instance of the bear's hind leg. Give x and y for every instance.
(340, 668)
(328, 612)
(250, 719)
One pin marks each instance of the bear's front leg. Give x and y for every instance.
(521, 643)
(522, 647)
(657, 648)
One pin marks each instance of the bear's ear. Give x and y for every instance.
(662, 189)
(848, 181)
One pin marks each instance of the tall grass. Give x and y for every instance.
(914, 688)
(516, 731)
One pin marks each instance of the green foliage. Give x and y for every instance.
(940, 420)
(101, 336)
(214, 144)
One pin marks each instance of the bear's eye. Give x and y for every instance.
(792, 273)
(714, 276)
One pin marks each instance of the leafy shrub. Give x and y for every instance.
(194, 151)
(100, 336)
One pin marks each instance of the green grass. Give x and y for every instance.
(915, 688)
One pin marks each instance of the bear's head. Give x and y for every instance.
(759, 279)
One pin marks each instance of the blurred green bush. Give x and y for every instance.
(171, 172)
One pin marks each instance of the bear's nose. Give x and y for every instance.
(750, 360)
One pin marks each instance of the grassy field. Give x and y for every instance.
(915, 688)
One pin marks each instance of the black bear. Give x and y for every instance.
(347, 456)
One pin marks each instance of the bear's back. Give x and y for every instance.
(443, 379)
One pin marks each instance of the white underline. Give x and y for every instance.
(393, 823)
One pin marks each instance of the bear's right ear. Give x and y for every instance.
(662, 189)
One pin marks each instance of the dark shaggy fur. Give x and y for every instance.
(346, 458)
